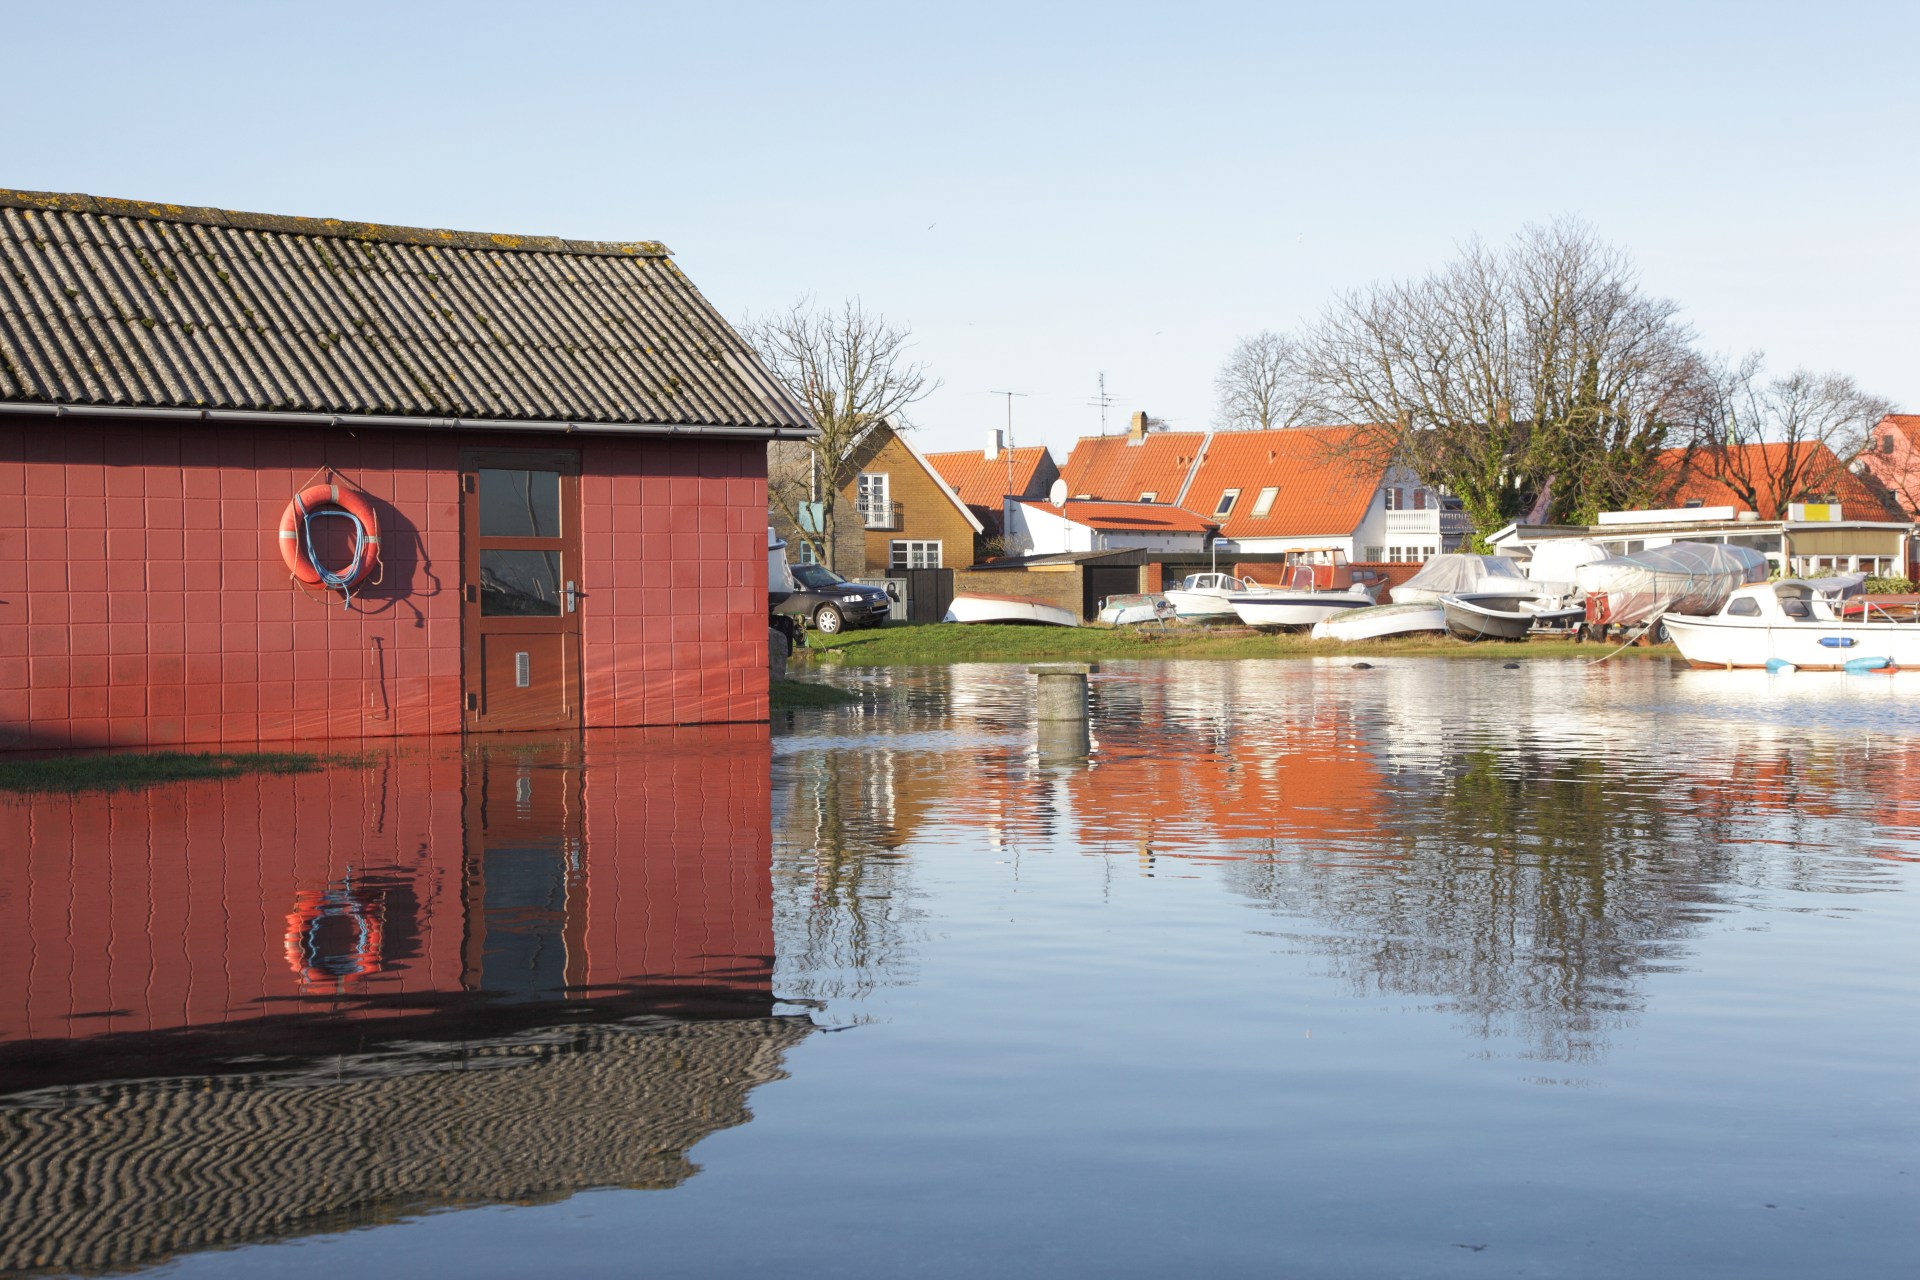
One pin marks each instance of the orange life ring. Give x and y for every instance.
(335, 934)
(296, 546)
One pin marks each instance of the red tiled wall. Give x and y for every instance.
(143, 599)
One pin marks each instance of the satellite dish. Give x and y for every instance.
(1057, 495)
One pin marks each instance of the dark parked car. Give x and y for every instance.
(827, 602)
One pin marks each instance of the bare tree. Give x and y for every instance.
(1539, 370)
(851, 370)
(1257, 386)
(1786, 439)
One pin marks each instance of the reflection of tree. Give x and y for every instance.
(841, 893)
(1527, 892)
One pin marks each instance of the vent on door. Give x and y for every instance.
(522, 670)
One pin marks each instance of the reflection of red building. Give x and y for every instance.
(630, 866)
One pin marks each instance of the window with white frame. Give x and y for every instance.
(1227, 499)
(872, 497)
(1264, 503)
(1150, 496)
(912, 553)
(801, 551)
(1396, 499)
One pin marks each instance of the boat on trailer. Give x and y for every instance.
(1793, 624)
(1018, 610)
(1491, 616)
(1316, 584)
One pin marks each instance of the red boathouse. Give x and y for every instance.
(553, 453)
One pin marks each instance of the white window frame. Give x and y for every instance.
(873, 494)
(1151, 495)
(1228, 497)
(913, 553)
(1264, 503)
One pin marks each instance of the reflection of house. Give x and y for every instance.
(894, 511)
(1795, 504)
(985, 478)
(557, 439)
(1271, 491)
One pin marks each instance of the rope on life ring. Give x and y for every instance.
(324, 502)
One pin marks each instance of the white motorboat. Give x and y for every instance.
(1791, 624)
(1289, 608)
(1129, 610)
(1380, 621)
(976, 607)
(1202, 597)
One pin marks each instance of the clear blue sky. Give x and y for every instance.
(1044, 192)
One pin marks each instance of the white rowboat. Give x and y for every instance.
(1380, 621)
(974, 607)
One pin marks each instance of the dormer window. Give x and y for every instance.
(1691, 503)
(1150, 496)
(1227, 500)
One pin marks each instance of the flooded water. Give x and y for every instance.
(1432, 969)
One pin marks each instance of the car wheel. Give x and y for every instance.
(827, 620)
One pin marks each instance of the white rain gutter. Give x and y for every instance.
(397, 422)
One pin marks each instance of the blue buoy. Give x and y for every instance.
(1780, 666)
(1861, 666)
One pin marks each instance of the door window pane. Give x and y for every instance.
(520, 584)
(519, 504)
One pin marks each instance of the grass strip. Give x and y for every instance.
(937, 643)
(121, 771)
(789, 695)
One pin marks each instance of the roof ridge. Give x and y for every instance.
(331, 228)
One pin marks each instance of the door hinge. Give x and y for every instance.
(466, 482)
(470, 593)
(473, 702)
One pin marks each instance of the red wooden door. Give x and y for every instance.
(520, 583)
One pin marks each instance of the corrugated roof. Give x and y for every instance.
(982, 481)
(1120, 469)
(1141, 517)
(1321, 489)
(123, 303)
(1821, 473)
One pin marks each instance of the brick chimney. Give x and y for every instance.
(1137, 429)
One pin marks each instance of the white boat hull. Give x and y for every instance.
(1012, 609)
(1381, 621)
(1297, 608)
(1199, 606)
(1741, 642)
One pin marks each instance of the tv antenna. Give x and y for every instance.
(1008, 449)
(1101, 402)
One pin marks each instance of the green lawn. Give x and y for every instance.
(119, 771)
(919, 645)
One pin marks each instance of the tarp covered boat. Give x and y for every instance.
(1447, 575)
(1689, 578)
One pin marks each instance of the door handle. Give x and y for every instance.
(573, 596)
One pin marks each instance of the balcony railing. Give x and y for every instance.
(880, 515)
(1406, 522)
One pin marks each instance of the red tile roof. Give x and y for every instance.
(981, 481)
(1908, 424)
(1148, 517)
(1759, 464)
(1321, 489)
(1120, 469)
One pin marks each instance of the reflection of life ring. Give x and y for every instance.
(334, 934)
(321, 502)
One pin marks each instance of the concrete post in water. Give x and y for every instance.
(1060, 712)
(1062, 691)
